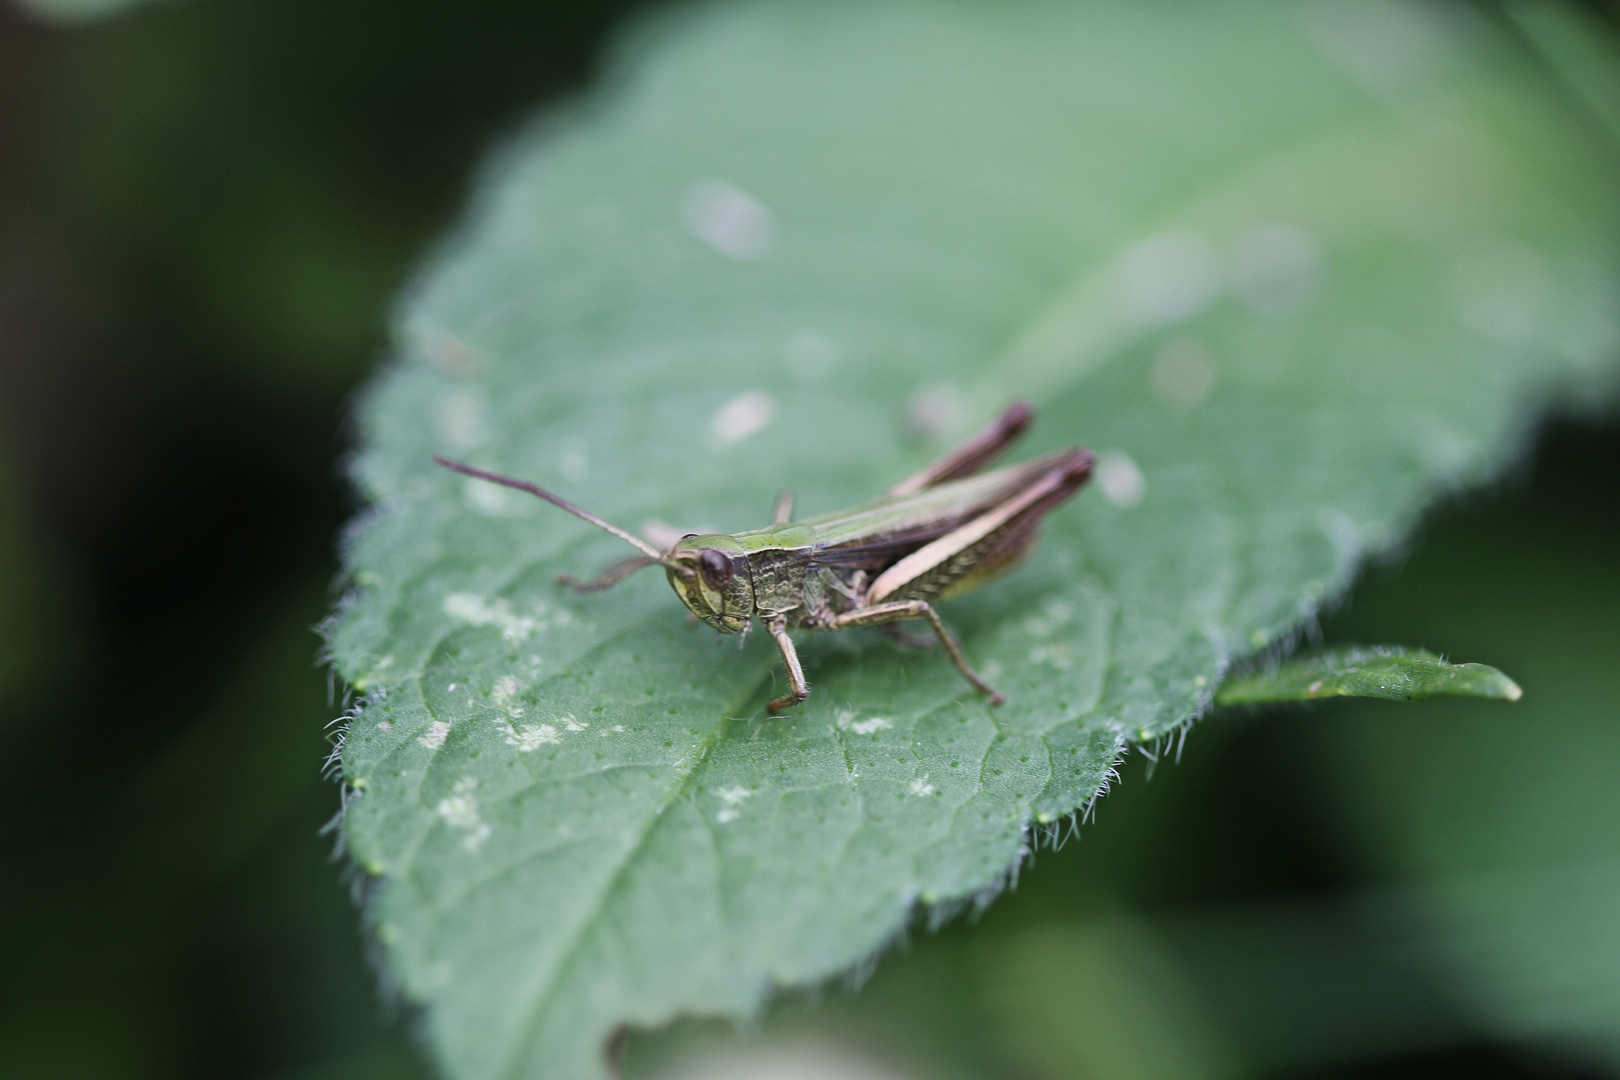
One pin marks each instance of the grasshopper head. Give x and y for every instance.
(718, 587)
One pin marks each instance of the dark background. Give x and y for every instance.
(205, 209)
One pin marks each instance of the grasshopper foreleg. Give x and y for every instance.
(609, 577)
(799, 689)
(895, 611)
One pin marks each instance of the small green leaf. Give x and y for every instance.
(1383, 671)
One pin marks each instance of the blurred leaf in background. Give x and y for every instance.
(205, 210)
(35, 608)
(76, 11)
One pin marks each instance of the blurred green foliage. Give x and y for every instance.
(74, 11)
(205, 210)
(1387, 891)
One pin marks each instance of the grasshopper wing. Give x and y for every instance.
(987, 544)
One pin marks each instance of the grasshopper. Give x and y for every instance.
(937, 533)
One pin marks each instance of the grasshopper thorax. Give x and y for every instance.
(719, 584)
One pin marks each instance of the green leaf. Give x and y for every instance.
(1293, 272)
(1383, 671)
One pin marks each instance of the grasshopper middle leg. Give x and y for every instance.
(897, 610)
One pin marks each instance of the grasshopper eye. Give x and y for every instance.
(716, 568)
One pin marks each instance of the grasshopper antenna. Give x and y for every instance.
(563, 504)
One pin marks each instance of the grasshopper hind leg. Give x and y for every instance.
(898, 610)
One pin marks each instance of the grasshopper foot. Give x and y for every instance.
(787, 701)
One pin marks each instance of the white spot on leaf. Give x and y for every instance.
(1053, 614)
(505, 695)
(921, 787)
(1169, 277)
(531, 737)
(472, 609)
(749, 413)
(728, 219)
(376, 672)
(1056, 654)
(1276, 268)
(1183, 373)
(1122, 483)
(733, 797)
(845, 721)
(488, 499)
(434, 736)
(460, 811)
